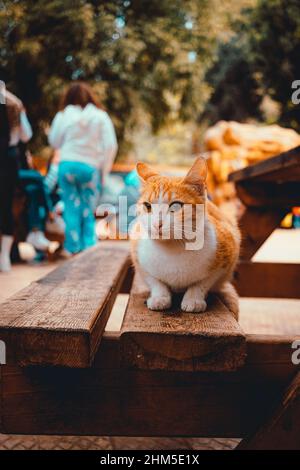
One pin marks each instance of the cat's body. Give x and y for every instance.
(175, 266)
(167, 266)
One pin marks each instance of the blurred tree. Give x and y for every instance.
(273, 34)
(235, 91)
(260, 59)
(134, 52)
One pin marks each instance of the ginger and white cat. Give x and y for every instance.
(162, 256)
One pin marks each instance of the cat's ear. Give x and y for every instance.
(145, 171)
(198, 173)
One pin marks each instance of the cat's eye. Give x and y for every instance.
(147, 206)
(175, 206)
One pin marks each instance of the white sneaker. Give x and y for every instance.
(38, 240)
(26, 251)
(5, 264)
(6, 244)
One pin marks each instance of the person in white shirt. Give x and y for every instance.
(86, 138)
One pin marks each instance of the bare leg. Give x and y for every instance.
(160, 295)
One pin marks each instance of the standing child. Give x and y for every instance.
(85, 135)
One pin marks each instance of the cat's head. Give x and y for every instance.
(172, 207)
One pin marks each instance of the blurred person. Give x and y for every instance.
(14, 128)
(51, 178)
(85, 135)
(39, 204)
(55, 224)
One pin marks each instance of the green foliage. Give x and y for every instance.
(133, 53)
(235, 94)
(273, 32)
(262, 58)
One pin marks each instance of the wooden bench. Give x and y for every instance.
(162, 374)
(268, 191)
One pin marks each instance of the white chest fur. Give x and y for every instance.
(175, 266)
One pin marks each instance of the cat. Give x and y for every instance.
(159, 241)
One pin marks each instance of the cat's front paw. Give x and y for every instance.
(193, 305)
(159, 303)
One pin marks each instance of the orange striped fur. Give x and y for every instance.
(166, 265)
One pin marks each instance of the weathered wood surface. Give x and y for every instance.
(268, 190)
(270, 356)
(270, 316)
(108, 399)
(281, 168)
(282, 430)
(278, 280)
(175, 340)
(265, 195)
(59, 320)
(256, 226)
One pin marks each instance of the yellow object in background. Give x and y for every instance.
(287, 222)
(231, 145)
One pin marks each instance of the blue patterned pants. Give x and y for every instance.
(80, 186)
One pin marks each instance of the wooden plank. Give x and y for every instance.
(107, 399)
(282, 167)
(256, 226)
(175, 340)
(281, 431)
(269, 195)
(270, 316)
(59, 320)
(270, 356)
(279, 280)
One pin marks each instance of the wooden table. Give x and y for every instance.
(162, 374)
(268, 191)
